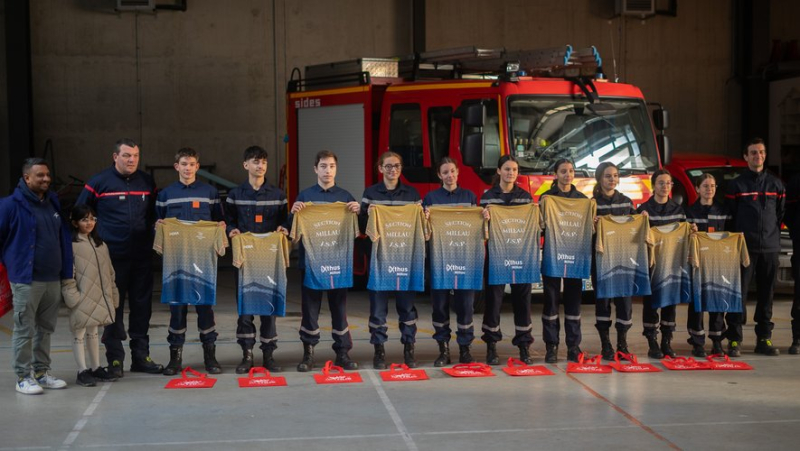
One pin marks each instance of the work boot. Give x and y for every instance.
(698, 351)
(491, 353)
(525, 354)
(622, 341)
(408, 355)
(269, 361)
(654, 352)
(175, 364)
(551, 353)
(210, 358)
(343, 360)
(379, 360)
(246, 363)
(794, 349)
(666, 346)
(307, 364)
(716, 347)
(573, 353)
(464, 356)
(764, 346)
(145, 365)
(606, 350)
(115, 368)
(444, 354)
(734, 349)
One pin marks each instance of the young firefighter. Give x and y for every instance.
(325, 192)
(258, 207)
(190, 200)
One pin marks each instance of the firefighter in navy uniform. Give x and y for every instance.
(706, 215)
(258, 207)
(756, 199)
(660, 210)
(124, 198)
(324, 192)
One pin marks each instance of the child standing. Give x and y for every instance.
(91, 296)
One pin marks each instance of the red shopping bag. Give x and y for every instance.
(6, 303)
(196, 380)
(254, 380)
(634, 366)
(684, 364)
(399, 372)
(332, 374)
(469, 370)
(588, 366)
(517, 367)
(723, 362)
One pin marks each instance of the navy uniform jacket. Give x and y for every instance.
(257, 211)
(714, 217)
(617, 205)
(458, 197)
(662, 214)
(496, 196)
(378, 194)
(125, 211)
(197, 201)
(757, 201)
(573, 193)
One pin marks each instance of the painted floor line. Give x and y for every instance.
(76, 430)
(398, 422)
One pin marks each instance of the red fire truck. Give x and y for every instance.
(472, 105)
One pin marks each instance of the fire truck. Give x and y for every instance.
(473, 105)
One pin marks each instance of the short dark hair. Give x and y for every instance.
(655, 175)
(753, 141)
(259, 153)
(124, 142)
(186, 152)
(31, 162)
(325, 154)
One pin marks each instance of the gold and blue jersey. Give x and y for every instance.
(457, 249)
(262, 259)
(717, 259)
(514, 233)
(568, 225)
(623, 244)
(670, 280)
(190, 251)
(398, 249)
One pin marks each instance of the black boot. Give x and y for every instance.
(464, 356)
(794, 349)
(525, 354)
(697, 350)
(269, 361)
(343, 360)
(716, 347)
(444, 354)
(246, 363)
(654, 352)
(491, 353)
(622, 341)
(175, 364)
(764, 346)
(408, 355)
(551, 353)
(308, 359)
(573, 353)
(379, 360)
(210, 358)
(606, 350)
(666, 346)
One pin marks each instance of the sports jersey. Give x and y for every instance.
(262, 259)
(514, 233)
(398, 252)
(190, 251)
(568, 226)
(717, 259)
(670, 279)
(622, 256)
(328, 232)
(456, 245)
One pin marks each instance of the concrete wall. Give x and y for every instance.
(213, 77)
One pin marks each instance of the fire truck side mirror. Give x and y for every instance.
(661, 119)
(472, 149)
(473, 115)
(664, 148)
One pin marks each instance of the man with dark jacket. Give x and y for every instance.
(37, 250)
(756, 200)
(124, 198)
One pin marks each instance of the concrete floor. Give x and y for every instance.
(668, 410)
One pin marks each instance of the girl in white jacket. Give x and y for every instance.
(91, 296)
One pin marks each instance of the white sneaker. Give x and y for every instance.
(46, 380)
(28, 386)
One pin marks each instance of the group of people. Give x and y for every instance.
(102, 256)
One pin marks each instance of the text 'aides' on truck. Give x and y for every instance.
(473, 105)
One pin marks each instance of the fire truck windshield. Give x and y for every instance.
(546, 129)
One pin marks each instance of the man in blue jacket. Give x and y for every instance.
(124, 198)
(37, 250)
